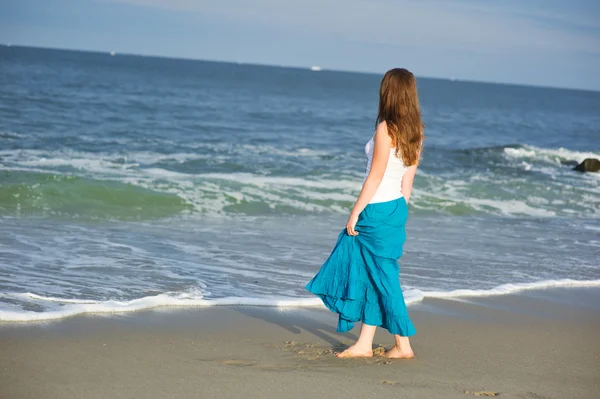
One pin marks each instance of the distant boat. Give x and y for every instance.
(315, 68)
(113, 53)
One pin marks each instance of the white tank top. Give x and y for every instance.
(391, 184)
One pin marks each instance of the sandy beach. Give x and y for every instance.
(538, 344)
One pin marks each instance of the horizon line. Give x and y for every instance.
(109, 52)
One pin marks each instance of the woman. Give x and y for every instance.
(359, 280)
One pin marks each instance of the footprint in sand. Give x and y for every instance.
(238, 362)
(482, 393)
(533, 395)
(282, 367)
(379, 351)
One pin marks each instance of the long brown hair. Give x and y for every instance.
(399, 108)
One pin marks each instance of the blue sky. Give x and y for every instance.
(538, 42)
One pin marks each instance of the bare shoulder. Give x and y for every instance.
(382, 128)
(381, 134)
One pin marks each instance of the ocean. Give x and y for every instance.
(130, 182)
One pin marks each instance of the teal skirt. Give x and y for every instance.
(360, 279)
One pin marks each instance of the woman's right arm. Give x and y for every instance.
(407, 182)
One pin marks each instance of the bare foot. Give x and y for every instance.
(397, 353)
(355, 351)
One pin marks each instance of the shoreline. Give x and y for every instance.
(412, 297)
(538, 344)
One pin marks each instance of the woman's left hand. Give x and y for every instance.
(352, 220)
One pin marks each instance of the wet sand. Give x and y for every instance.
(534, 345)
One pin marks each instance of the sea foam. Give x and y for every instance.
(72, 307)
(549, 154)
(250, 191)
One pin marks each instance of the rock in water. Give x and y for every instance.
(588, 165)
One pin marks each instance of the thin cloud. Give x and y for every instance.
(460, 25)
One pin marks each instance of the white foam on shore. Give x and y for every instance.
(511, 288)
(72, 307)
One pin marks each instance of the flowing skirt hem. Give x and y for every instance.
(401, 325)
